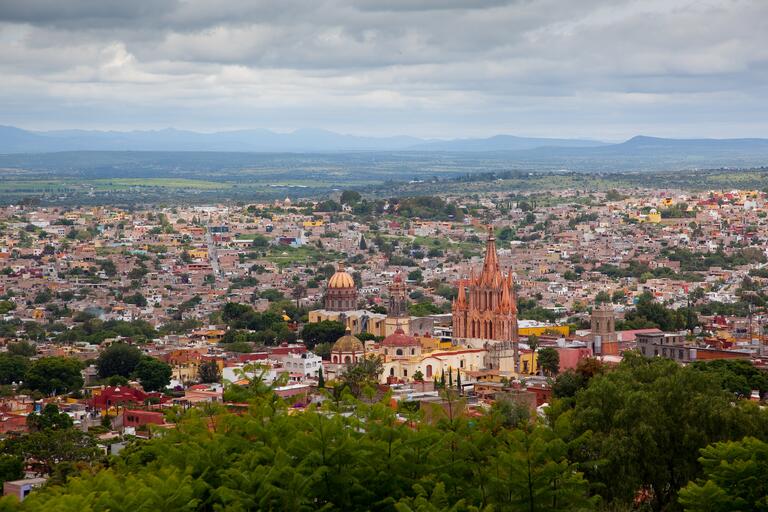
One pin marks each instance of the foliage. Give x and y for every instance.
(118, 359)
(12, 368)
(735, 478)
(11, 468)
(266, 459)
(49, 419)
(738, 376)
(326, 331)
(365, 372)
(423, 309)
(51, 375)
(642, 425)
(208, 372)
(549, 360)
(154, 375)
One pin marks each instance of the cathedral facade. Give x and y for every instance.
(485, 307)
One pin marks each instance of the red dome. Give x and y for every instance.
(399, 339)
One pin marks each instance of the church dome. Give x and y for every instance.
(341, 279)
(399, 339)
(348, 343)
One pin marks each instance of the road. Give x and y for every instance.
(213, 255)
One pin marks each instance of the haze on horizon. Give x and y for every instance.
(601, 69)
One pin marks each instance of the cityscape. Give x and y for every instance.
(238, 273)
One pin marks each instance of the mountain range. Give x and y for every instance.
(640, 152)
(16, 140)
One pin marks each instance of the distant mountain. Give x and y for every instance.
(637, 153)
(14, 140)
(502, 143)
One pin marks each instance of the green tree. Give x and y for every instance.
(549, 360)
(12, 368)
(208, 372)
(118, 359)
(735, 478)
(22, 348)
(631, 433)
(49, 419)
(11, 468)
(365, 372)
(51, 375)
(326, 331)
(154, 375)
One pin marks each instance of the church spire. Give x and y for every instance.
(491, 263)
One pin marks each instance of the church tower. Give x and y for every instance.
(398, 301)
(486, 309)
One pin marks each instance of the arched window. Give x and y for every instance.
(429, 370)
(347, 359)
(335, 359)
(399, 352)
(392, 372)
(413, 351)
(461, 364)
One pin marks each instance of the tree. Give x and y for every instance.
(12, 368)
(11, 468)
(154, 375)
(361, 373)
(50, 448)
(350, 197)
(49, 419)
(326, 331)
(118, 359)
(549, 360)
(320, 378)
(51, 375)
(602, 297)
(630, 433)
(208, 372)
(22, 348)
(536, 476)
(735, 478)
(418, 376)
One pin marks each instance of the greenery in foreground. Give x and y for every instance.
(649, 435)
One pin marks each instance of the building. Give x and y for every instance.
(485, 307)
(22, 488)
(400, 345)
(347, 349)
(665, 344)
(341, 294)
(605, 341)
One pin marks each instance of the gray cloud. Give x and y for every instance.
(603, 68)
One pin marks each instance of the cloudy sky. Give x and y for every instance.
(606, 69)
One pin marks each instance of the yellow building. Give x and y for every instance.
(198, 254)
(541, 330)
(210, 335)
(653, 217)
(313, 223)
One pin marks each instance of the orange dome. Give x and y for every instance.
(341, 279)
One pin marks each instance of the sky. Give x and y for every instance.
(600, 69)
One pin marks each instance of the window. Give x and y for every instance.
(399, 352)
(429, 370)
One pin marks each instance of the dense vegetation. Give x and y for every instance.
(613, 440)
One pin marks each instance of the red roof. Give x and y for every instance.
(399, 339)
